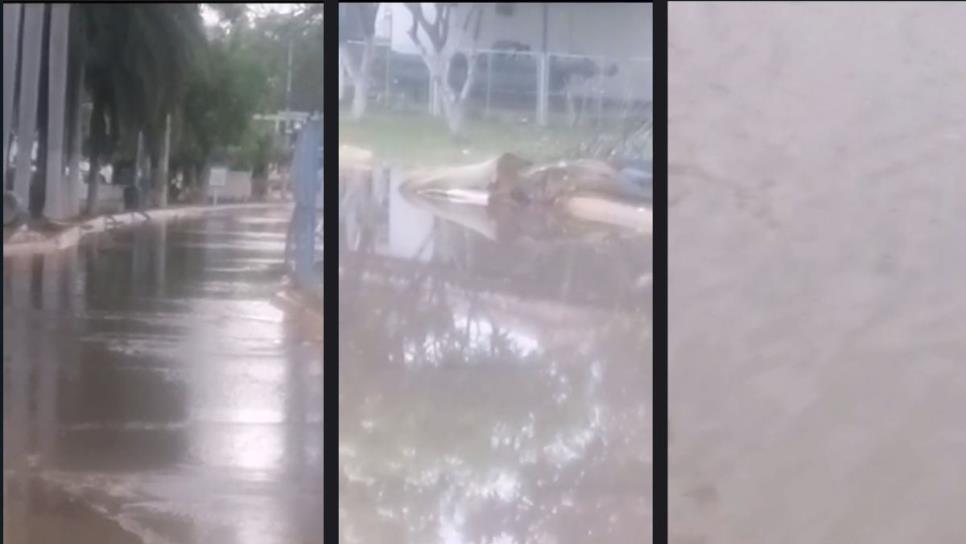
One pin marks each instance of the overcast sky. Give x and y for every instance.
(211, 17)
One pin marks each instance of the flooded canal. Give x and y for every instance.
(495, 376)
(149, 383)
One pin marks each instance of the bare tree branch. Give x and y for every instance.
(443, 13)
(476, 16)
(416, 10)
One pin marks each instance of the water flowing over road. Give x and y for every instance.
(150, 384)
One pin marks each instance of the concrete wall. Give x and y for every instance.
(238, 186)
(110, 198)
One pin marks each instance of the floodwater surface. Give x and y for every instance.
(817, 272)
(153, 393)
(494, 385)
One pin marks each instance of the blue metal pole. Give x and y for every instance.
(308, 184)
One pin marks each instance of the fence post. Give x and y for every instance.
(543, 71)
(489, 81)
(386, 102)
(600, 92)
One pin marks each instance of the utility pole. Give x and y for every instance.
(288, 80)
(543, 74)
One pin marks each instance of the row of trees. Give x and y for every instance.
(137, 63)
(163, 95)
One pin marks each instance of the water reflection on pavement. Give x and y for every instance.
(149, 380)
(490, 391)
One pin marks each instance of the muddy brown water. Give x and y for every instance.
(817, 301)
(153, 393)
(490, 391)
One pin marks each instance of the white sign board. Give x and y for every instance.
(218, 177)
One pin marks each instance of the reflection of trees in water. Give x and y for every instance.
(451, 423)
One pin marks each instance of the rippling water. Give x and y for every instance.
(816, 272)
(492, 388)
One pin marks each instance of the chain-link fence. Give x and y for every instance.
(521, 86)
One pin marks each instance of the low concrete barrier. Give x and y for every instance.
(110, 199)
(237, 188)
(73, 235)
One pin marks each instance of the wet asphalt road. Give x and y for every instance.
(150, 383)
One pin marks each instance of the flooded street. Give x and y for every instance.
(495, 375)
(150, 383)
(817, 308)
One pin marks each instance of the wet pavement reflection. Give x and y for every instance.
(150, 383)
(493, 388)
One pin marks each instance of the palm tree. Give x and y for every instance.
(136, 61)
(177, 30)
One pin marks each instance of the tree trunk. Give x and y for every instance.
(76, 135)
(11, 41)
(341, 82)
(359, 74)
(204, 172)
(139, 159)
(32, 46)
(190, 185)
(161, 170)
(38, 186)
(454, 101)
(455, 112)
(438, 58)
(360, 98)
(56, 195)
(98, 138)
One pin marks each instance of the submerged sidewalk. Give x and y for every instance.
(152, 387)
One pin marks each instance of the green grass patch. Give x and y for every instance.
(421, 140)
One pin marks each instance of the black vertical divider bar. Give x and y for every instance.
(660, 276)
(330, 273)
